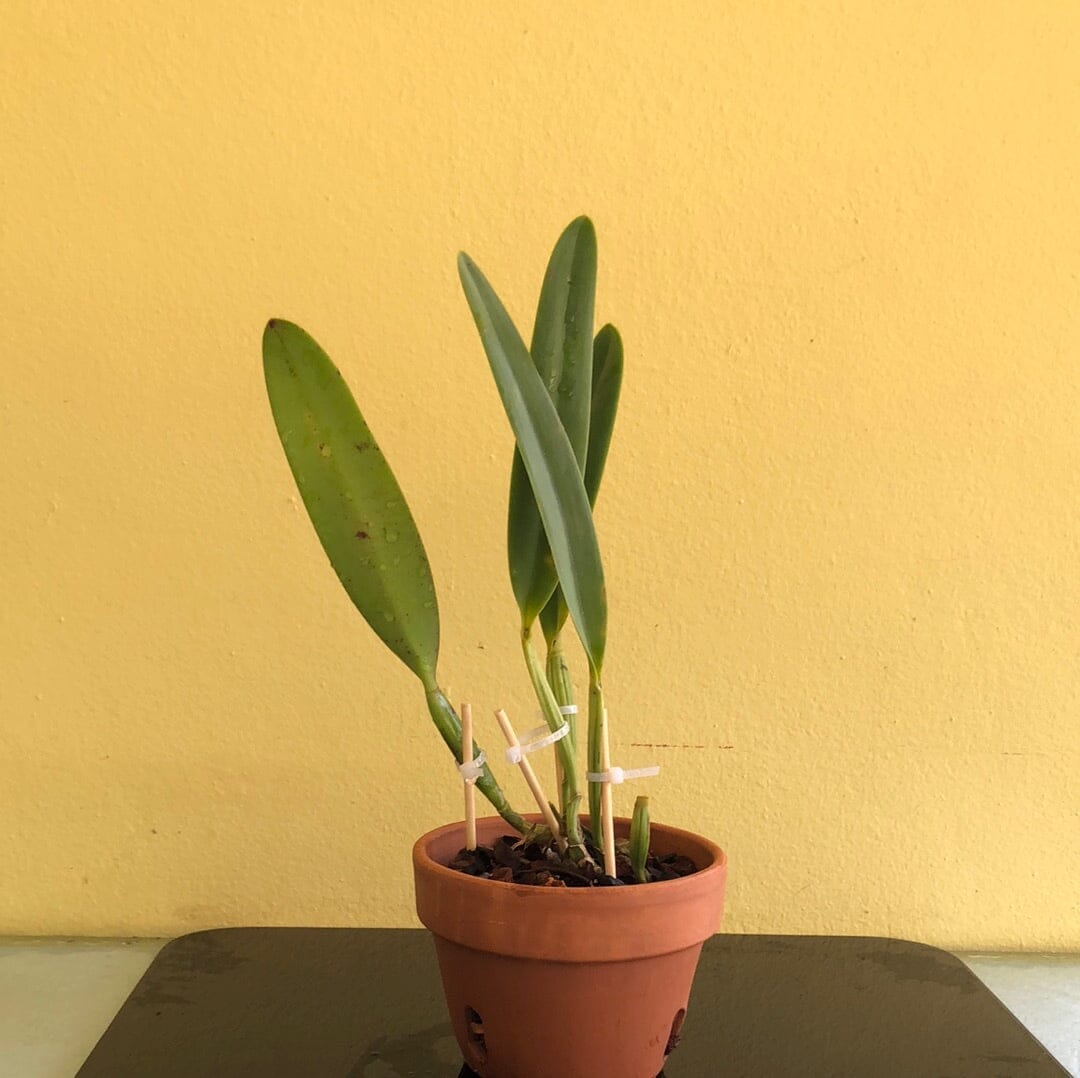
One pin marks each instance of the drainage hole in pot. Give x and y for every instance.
(474, 1028)
(676, 1031)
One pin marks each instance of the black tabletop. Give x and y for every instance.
(367, 1003)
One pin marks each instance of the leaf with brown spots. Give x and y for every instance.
(351, 494)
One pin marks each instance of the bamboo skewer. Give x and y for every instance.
(470, 784)
(531, 779)
(607, 812)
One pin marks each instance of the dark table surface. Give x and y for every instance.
(367, 1003)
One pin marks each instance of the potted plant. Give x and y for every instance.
(567, 939)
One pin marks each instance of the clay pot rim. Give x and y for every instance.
(672, 888)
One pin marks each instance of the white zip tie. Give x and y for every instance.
(471, 771)
(566, 709)
(539, 738)
(539, 733)
(618, 775)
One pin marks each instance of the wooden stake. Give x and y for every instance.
(533, 782)
(470, 784)
(607, 812)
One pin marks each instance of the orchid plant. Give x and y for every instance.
(560, 395)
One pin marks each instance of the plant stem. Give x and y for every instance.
(596, 722)
(558, 675)
(449, 726)
(569, 795)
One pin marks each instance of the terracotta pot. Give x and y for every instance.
(574, 982)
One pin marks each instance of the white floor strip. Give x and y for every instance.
(57, 996)
(1043, 991)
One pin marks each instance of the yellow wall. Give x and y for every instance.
(842, 513)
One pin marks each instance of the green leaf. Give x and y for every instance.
(607, 375)
(352, 497)
(562, 351)
(549, 460)
(607, 370)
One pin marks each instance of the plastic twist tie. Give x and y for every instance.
(536, 739)
(618, 775)
(534, 734)
(564, 709)
(471, 771)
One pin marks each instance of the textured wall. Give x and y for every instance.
(841, 512)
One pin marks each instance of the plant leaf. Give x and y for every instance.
(562, 352)
(352, 497)
(549, 460)
(607, 370)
